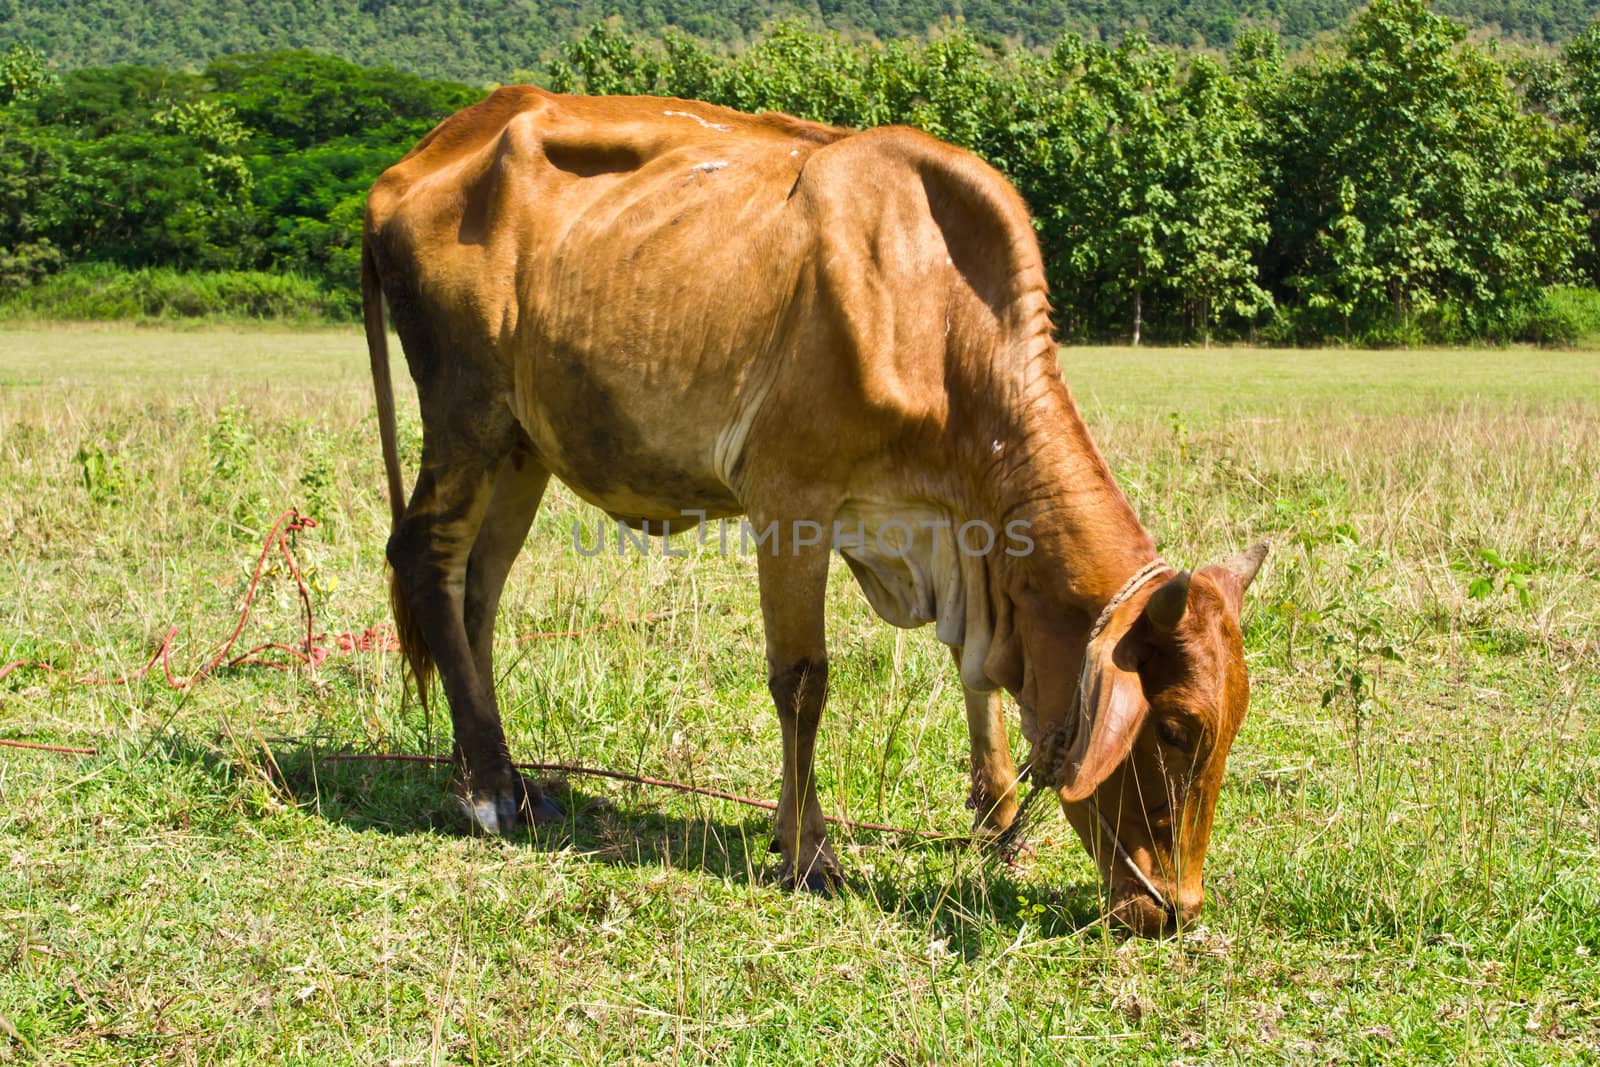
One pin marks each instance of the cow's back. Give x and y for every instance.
(654, 284)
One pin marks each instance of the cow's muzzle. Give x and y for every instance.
(1142, 915)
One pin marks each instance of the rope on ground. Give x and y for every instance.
(576, 770)
(34, 747)
(308, 651)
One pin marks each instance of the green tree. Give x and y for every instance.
(1565, 89)
(1119, 192)
(24, 74)
(1414, 199)
(29, 171)
(127, 165)
(297, 99)
(1220, 218)
(1150, 199)
(321, 130)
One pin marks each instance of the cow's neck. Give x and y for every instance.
(1088, 540)
(1029, 457)
(1015, 457)
(1087, 543)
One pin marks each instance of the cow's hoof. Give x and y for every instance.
(490, 814)
(994, 817)
(505, 813)
(537, 807)
(818, 883)
(822, 877)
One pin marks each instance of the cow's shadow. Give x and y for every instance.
(961, 894)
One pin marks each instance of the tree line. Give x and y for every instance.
(1402, 185)
(484, 40)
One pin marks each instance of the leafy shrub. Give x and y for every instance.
(1565, 315)
(99, 291)
(24, 264)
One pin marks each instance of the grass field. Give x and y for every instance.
(1404, 866)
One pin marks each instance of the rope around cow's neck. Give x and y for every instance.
(1140, 579)
(1011, 838)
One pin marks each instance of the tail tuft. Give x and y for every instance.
(418, 659)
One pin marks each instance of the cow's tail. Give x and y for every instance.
(418, 659)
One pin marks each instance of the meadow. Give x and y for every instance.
(1405, 855)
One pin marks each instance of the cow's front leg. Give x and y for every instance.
(993, 796)
(793, 590)
(429, 550)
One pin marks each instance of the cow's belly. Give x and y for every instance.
(642, 451)
(663, 498)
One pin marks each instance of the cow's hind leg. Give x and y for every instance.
(793, 589)
(518, 488)
(429, 551)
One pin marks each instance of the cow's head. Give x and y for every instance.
(1165, 691)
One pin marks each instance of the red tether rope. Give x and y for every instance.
(311, 651)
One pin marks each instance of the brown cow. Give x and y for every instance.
(679, 310)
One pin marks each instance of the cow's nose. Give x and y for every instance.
(1137, 912)
(1134, 909)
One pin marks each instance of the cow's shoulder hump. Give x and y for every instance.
(896, 180)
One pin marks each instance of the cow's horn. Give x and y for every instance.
(1166, 605)
(1244, 565)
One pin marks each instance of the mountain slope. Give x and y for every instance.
(489, 40)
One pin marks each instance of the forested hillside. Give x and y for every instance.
(481, 41)
(1403, 184)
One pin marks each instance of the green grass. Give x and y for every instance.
(1406, 874)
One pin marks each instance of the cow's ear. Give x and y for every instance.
(1115, 707)
(1168, 604)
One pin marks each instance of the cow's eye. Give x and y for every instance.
(1178, 734)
